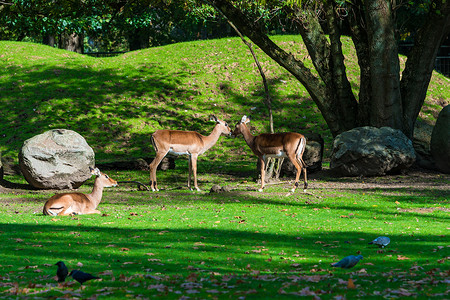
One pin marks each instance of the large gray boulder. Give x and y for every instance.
(370, 151)
(440, 141)
(56, 159)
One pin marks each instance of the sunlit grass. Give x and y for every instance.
(241, 242)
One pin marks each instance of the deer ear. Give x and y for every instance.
(213, 118)
(245, 119)
(95, 171)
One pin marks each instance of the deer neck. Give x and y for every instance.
(211, 139)
(96, 195)
(248, 137)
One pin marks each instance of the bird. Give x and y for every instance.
(348, 262)
(62, 271)
(81, 276)
(381, 241)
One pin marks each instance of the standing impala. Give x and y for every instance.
(190, 143)
(78, 203)
(285, 144)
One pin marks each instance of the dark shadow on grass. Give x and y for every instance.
(92, 101)
(175, 250)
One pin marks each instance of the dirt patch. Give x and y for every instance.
(425, 210)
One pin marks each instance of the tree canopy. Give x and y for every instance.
(386, 97)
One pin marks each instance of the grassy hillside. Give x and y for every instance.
(116, 103)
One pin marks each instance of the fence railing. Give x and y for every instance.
(105, 54)
(441, 65)
(442, 62)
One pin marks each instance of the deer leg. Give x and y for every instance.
(305, 180)
(94, 211)
(194, 170)
(153, 166)
(262, 170)
(298, 166)
(190, 171)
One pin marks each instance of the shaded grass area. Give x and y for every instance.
(239, 244)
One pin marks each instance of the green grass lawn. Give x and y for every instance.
(176, 243)
(117, 102)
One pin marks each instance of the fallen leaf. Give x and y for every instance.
(401, 257)
(351, 284)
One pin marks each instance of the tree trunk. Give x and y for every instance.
(385, 108)
(138, 39)
(71, 42)
(49, 40)
(419, 66)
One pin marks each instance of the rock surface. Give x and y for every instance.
(56, 159)
(440, 141)
(421, 144)
(370, 151)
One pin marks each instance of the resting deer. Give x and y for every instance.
(189, 143)
(78, 203)
(284, 144)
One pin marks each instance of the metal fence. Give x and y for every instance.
(105, 54)
(442, 62)
(441, 65)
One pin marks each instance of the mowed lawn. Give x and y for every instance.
(176, 243)
(241, 244)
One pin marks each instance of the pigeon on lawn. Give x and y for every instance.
(381, 241)
(81, 276)
(62, 271)
(348, 262)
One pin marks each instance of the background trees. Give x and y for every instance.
(385, 97)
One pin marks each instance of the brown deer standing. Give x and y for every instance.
(284, 144)
(189, 143)
(78, 203)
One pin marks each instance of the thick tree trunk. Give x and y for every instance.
(385, 108)
(359, 38)
(49, 40)
(71, 42)
(138, 39)
(419, 66)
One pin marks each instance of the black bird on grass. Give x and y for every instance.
(62, 271)
(81, 276)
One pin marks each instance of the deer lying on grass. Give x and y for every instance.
(78, 203)
(189, 143)
(284, 144)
